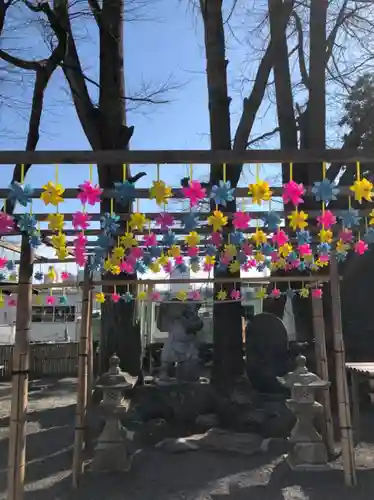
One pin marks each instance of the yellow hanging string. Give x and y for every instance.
(291, 171)
(191, 168)
(243, 205)
(349, 203)
(124, 171)
(224, 172)
(257, 172)
(358, 171)
(137, 204)
(324, 170)
(127, 226)
(216, 207)
(22, 173)
(158, 172)
(115, 289)
(31, 207)
(111, 206)
(90, 173)
(149, 227)
(5, 200)
(56, 172)
(366, 223)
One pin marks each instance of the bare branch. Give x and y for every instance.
(340, 20)
(96, 10)
(300, 49)
(263, 137)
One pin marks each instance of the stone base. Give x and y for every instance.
(308, 456)
(308, 467)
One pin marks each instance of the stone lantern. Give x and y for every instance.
(308, 449)
(111, 452)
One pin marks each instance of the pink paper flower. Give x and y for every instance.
(51, 300)
(168, 267)
(246, 267)
(6, 223)
(317, 293)
(126, 267)
(89, 193)
(194, 192)
(324, 258)
(80, 259)
(208, 267)
(327, 219)
(304, 249)
(165, 220)
(360, 247)
(81, 220)
(280, 237)
(247, 248)
(3, 261)
(275, 293)
(115, 297)
(136, 252)
(293, 192)
(215, 238)
(155, 296)
(195, 295)
(65, 276)
(192, 251)
(241, 220)
(150, 240)
(80, 241)
(252, 263)
(225, 259)
(178, 260)
(12, 302)
(346, 235)
(295, 263)
(235, 294)
(274, 256)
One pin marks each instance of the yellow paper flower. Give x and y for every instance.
(325, 236)
(282, 263)
(52, 193)
(12, 276)
(58, 240)
(142, 295)
(163, 260)
(234, 266)
(298, 219)
(51, 274)
(362, 190)
(107, 265)
(137, 221)
(128, 240)
(304, 293)
(2, 302)
(261, 293)
(260, 191)
(314, 267)
(285, 250)
(217, 220)
(100, 298)
(193, 239)
(341, 246)
(155, 267)
(259, 237)
(174, 251)
(182, 295)
(231, 250)
(160, 192)
(55, 222)
(118, 254)
(222, 295)
(259, 257)
(62, 253)
(371, 219)
(210, 260)
(195, 267)
(116, 270)
(38, 300)
(321, 263)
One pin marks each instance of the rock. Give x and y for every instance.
(153, 431)
(207, 421)
(281, 420)
(250, 420)
(176, 445)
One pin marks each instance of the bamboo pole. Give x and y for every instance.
(81, 408)
(345, 422)
(20, 376)
(323, 371)
(90, 382)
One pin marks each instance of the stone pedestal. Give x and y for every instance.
(111, 452)
(308, 450)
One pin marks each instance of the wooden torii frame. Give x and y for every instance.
(17, 444)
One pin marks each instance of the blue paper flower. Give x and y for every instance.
(182, 267)
(236, 238)
(323, 248)
(124, 192)
(2, 276)
(369, 236)
(39, 276)
(140, 267)
(194, 260)
(267, 249)
(147, 258)
(261, 267)
(10, 265)
(20, 193)
(222, 193)
(290, 293)
(350, 218)
(109, 223)
(292, 257)
(127, 297)
(241, 258)
(104, 241)
(303, 237)
(27, 223)
(209, 293)
(168, 239)
(341, 256)
(271, 220)
(35, 240)
(155, 252)
(190, 221)
(221, 268)
(325, 191)
(63, 300)
(302, 266)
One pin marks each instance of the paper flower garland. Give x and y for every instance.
(89, 193)
(137, 221)
(81, 220)
(298, 219)
(292, 193)
(275, 293)
(241, 220)
(327, 219)
(50, 300)
(27, 223)
(109, 223)
(20, 193)
(324, 191)
(260, 191)
(100, 298)
(6, 223)
(124, 192)
(217, 220)
(52, 194)
(165, 220)
(190, 221)
(222, 193)
(55, 222)
(350, 218)
(160, 192)
(194, 192)
(362, 189)
(271, 220)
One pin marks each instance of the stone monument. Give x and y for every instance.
(111, 453)
(308, 450)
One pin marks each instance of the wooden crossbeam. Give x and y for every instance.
(111, 157)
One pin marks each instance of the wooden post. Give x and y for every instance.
(20, 375)
(323, 371)
(345, 422)
(81, 409)
(90, 350)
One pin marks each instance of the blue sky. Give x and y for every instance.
(169, 45)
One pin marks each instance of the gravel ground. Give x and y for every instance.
(158, 476)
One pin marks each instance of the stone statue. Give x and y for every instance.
(182, 322)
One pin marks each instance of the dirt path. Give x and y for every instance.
(158, 476)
